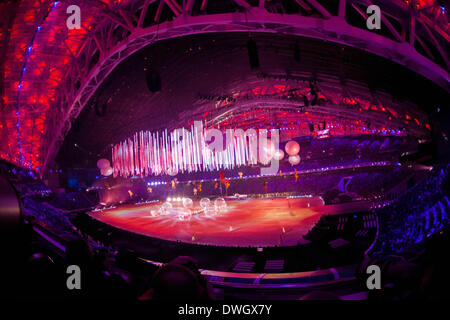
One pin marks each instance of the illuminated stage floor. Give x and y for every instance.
(251, 222)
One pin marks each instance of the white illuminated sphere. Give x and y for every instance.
(205, 202)
(171, 172)
(268, 150)
(188, 203)
(278, 155)
(209, 211)
(107, 171)
(155, 213)
(294, 160)
(166, 208)
(103, 163)
(184, 214)
(292, 148)
(220, 205)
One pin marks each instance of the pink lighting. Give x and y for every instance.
(44, 72)
(154, 153)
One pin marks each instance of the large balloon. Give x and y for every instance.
(220, 205)
(103, 163)
(188, 203)
(292, 148)
(107, 171)
(155, 213)
(209, 211)
(267, 150)
(171, 171)
(166, 208)
(184, 214)
(278, 155)
(205, 202)
(294, 160)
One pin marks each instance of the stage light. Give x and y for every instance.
(314, 100)
(153, 79)
(252, 53)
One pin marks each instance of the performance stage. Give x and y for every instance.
(249, 222)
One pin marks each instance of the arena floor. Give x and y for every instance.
(250, 222)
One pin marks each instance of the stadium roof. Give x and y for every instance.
(48, 73)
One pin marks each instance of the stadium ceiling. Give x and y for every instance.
(48, 72)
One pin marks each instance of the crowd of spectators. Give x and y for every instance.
(419, 276)
(404, 225)
(45, 277)
(422, 211)
(364, 184)
(43, 273)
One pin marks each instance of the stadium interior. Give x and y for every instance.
(140, 147)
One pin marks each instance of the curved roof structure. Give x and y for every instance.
(48, 72)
